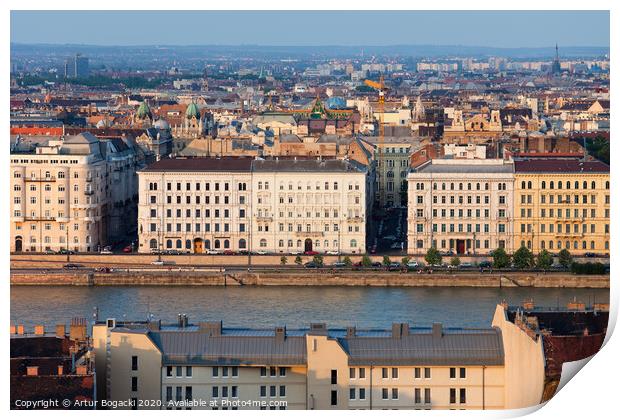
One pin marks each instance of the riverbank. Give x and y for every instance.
(310, 278)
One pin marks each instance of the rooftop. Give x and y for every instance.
(560, 166)
(198, 164)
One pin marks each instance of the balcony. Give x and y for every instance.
(264, 219)
(310, 234)
(89, 192)
(40, 179)
(359, 219)
(39, 218)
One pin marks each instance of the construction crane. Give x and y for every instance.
(380, 87)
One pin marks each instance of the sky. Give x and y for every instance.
(502, 29)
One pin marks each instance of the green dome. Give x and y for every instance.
(192, 111)
(144, 111)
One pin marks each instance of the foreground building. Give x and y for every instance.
(206, 366)
(463, 206)
(562, 204)
(77, 193)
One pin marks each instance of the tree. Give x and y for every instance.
(283, 260)
(455, 261)
(366, 261)
(318, 260)
(523, 258)
(433, 256)
(347, 261)
(544, 260)
(405, 260)
(386, 260)
(564, 258)
(298, 260)
(500, 258)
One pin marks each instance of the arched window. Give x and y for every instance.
(542, 244)
(591, 244)
(559, 185)
(593, 185)
(522, 185)
(242, 243)
(469, 185)
(263, 243)
(443, 186)
(298, 243)
(226, 244)
(529, 185)
(543, 185)
(179, 243)
(153, 243)
(576, 185)
(478, 186)
(583, 245)
(567, 244)
(550, 244)
(575, 245)
(216, 244)
(452, 185)
(606, 185)
(390, 174)
(460, 185)
(207, 244)
(568, 185)
(585, 185)
(281, 243)
(486, 186)
(606, 244)
(551, 185)
(188, 244)
(529, 244)
(169, 243)
(353, 243)
(326, 243)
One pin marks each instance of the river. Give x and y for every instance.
(365, 307)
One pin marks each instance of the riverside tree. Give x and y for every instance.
(298, 260)
(500, 258)
(544, 260)
(523, 258)
(564, 258)
(366, 261)
(283, 260)
(347, 261)
(432, 256)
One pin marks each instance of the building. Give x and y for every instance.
(49, 367)
(562, 204)
(195, 205)
(76, 67)
(514, 364)
(77, 193)
(461, 206)
(303, 205)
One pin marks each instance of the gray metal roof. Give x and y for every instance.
(306, 165)
(470, 169)
(452, 348)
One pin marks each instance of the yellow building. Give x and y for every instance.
(562, 204)
(207, 366)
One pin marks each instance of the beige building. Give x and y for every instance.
(303, 205)
(562, 204)
(195, 205)
(77, 193)
(464, 206)
(207, 366)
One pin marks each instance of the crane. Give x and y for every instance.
(380, 87)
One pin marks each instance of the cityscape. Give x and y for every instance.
(306, 225)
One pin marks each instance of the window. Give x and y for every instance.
(263, 371)
(179, 371)
(214, 392)
(134, 383)
(235, 371)
(334, 397)
(362, 373)
(394, 393)
(189, 393)
(282, 390)
(452, 373)
(215, 371)
(384, 393)
(263, 391)
(417, 396)
(384, 373)
(169, 371)
(362, 393)
(427, 373)
(462, 373)
(334, 377)
(134, 362)
(282, 372)
(452, 395)
(272, 371)
(462, 396)
(417, 373)
(188, 371)
(394, 373)
(351, 393)
(272, 391)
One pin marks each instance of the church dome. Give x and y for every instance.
(192, 111)
(144, 111)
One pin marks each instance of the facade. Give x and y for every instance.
(562, 204)
(195, 205)
(313, 368)
(77, 193)
(310, 205)
(463, 206)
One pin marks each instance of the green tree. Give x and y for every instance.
(283, 260)
(500, 258)
(318, 260)
(405, 261)
(298, 260)
(347, 261)
(523, 258)
(386, 260)
(366, 261)
(564, 258)
(433, 256)
(455, 261)
(544, 260)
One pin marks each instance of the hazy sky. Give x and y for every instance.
(471, 28)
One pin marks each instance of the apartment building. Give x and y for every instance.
(207, 366)
(310, 205)
(77, 193)
(195, 205)
(463, 206)
(562, 204)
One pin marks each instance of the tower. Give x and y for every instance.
(556, 67)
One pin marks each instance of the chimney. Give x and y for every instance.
(61, 330)
(318, 328)
(280, 334)
(437, 330)
(39, 330)
(13, 329)
(32, 370)
(60, 370)
(77, 329)
(396, 330)
(20, 329)
(154, 325)
(351, 331)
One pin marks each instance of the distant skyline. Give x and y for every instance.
(499, 29)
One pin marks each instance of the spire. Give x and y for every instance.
(557, 53)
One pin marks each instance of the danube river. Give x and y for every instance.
(365, 307)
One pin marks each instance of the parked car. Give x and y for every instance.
(332, 252)
(261, 252)
(466, 265)
(50, 252)
(295, 252)
(413, 265)
(72, 266)
(212, 252)
(394, 266)
(105, 251)
(128, 249)
(484, 264)
(311, 253)
(157, 262)
(229, 252)
(339, 264)
(155, 251)
(66, 251)
(376, 264)
(589, 255)
(311, 264)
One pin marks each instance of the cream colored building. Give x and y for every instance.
(562, 204)
(77, 193)
(303, 205)
(210, 367)
(195, 205)
(464, 206)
